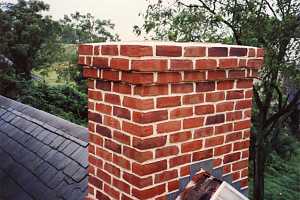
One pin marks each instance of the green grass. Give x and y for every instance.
(282, 178)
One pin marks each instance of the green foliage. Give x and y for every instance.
(65, 101)
(80, 28)
(27, 37)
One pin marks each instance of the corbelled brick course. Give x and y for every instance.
(160, 111)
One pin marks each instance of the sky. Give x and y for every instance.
(123, 13)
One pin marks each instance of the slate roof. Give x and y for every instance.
(41, 156)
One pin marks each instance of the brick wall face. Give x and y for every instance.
(157, 109)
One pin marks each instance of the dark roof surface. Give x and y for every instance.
(41, 156)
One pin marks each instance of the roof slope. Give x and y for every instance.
(41, 156)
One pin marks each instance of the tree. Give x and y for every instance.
(79, 28)
(27, 37)
(273, 25)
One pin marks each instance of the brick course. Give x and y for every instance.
(157, 108)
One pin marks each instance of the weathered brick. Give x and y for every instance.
(150, 168)
(149, 65)
(181, 65)
(149, 143)
(206, 64)
(138, 181)
(136, 50)
(216, 119)
(137, 130)
(193, 99)
(121, 112)
(204, 109)
(180, 136)
(205, 86)
(149, 117)
(182, 88)
(119, 63)
(194, 76)
(191, 146)
(169, 126)
(103, 85)
(111, 50)
(217, 51)
(238, 51)
(194, 51)
(202, 155)
(232, 157)
(203, 132)
(180, 160)
(228, 63)
(139, 156)
(172, 51)
(214, 96)
(193, 122)
(152, 90)
(214, 141)
(165, 176)
(149, 193)
(113, 146)
(181, 112)
(216, 75)
(168, 77)
(137, 78)
(139, 104)
(166, 151)
(164, 102)
(100, 62)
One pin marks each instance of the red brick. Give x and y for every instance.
(112, 98)
(91, 105)
(120, 137)
(182, 88)
(241, 145)
(149, 143)
(165, 176)
(103, 108)
(249, 94)
(217, 162)
(172, 51)
(203, 132)
(136, 50)
(232, 116)
(231, 157)
(245, 154)
(216, 75)
(169, 126)
(110, 75)
(149, 193)
(225, 85)
(180, 137)
(216, 119)
(81, 60)
(248, 83)
(112, 122)
(181, 112)
(191, 146)
(225, 128)
(139, 104)
(251, 52)
(85, 49)
(121, 112)
(141, 131)
(119, 63)
(111, 192)
(103, 85)
(242, 63)
(111, 50)
(95, 139)
(152, 90)
(137, 78)
(121, 88)
(100, 195)
(236, 74)
(193, 99)
(205, 86)
(95, 117)
(180, 160)
(120, 161)
(96, 95)
(202, 155)
(166, 151)
(109, 144)
(233, 137)
(244, 104)
(95, 182)
(90, 73)
(204, 109)
(218, 151)
(111, 169)
(149, 117)
(228, 63)
(106, 132)
(240, 165)
(236, 94)
(260, 52)
(214, 141)
(235, 176)
(150, 168)
(100, 62)
(121, 185)
(217, 51)
(255, 63)
(242, 125)
(214, 96)
(137, 181)
(185, 170)
(169, 77)
(164, 102)
(173, 185)
(194, 76)
(139, 156)
(244, 173)
(206, 64)
(225, 106)
(193, 122)
(181, 65)
(194, 51)
(238, 51)
(104, 176)
(244, 182)
(149, 65)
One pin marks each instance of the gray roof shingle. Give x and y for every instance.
(41, 156)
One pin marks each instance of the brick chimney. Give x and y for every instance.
(161, 112)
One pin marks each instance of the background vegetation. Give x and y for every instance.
(38, 67)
